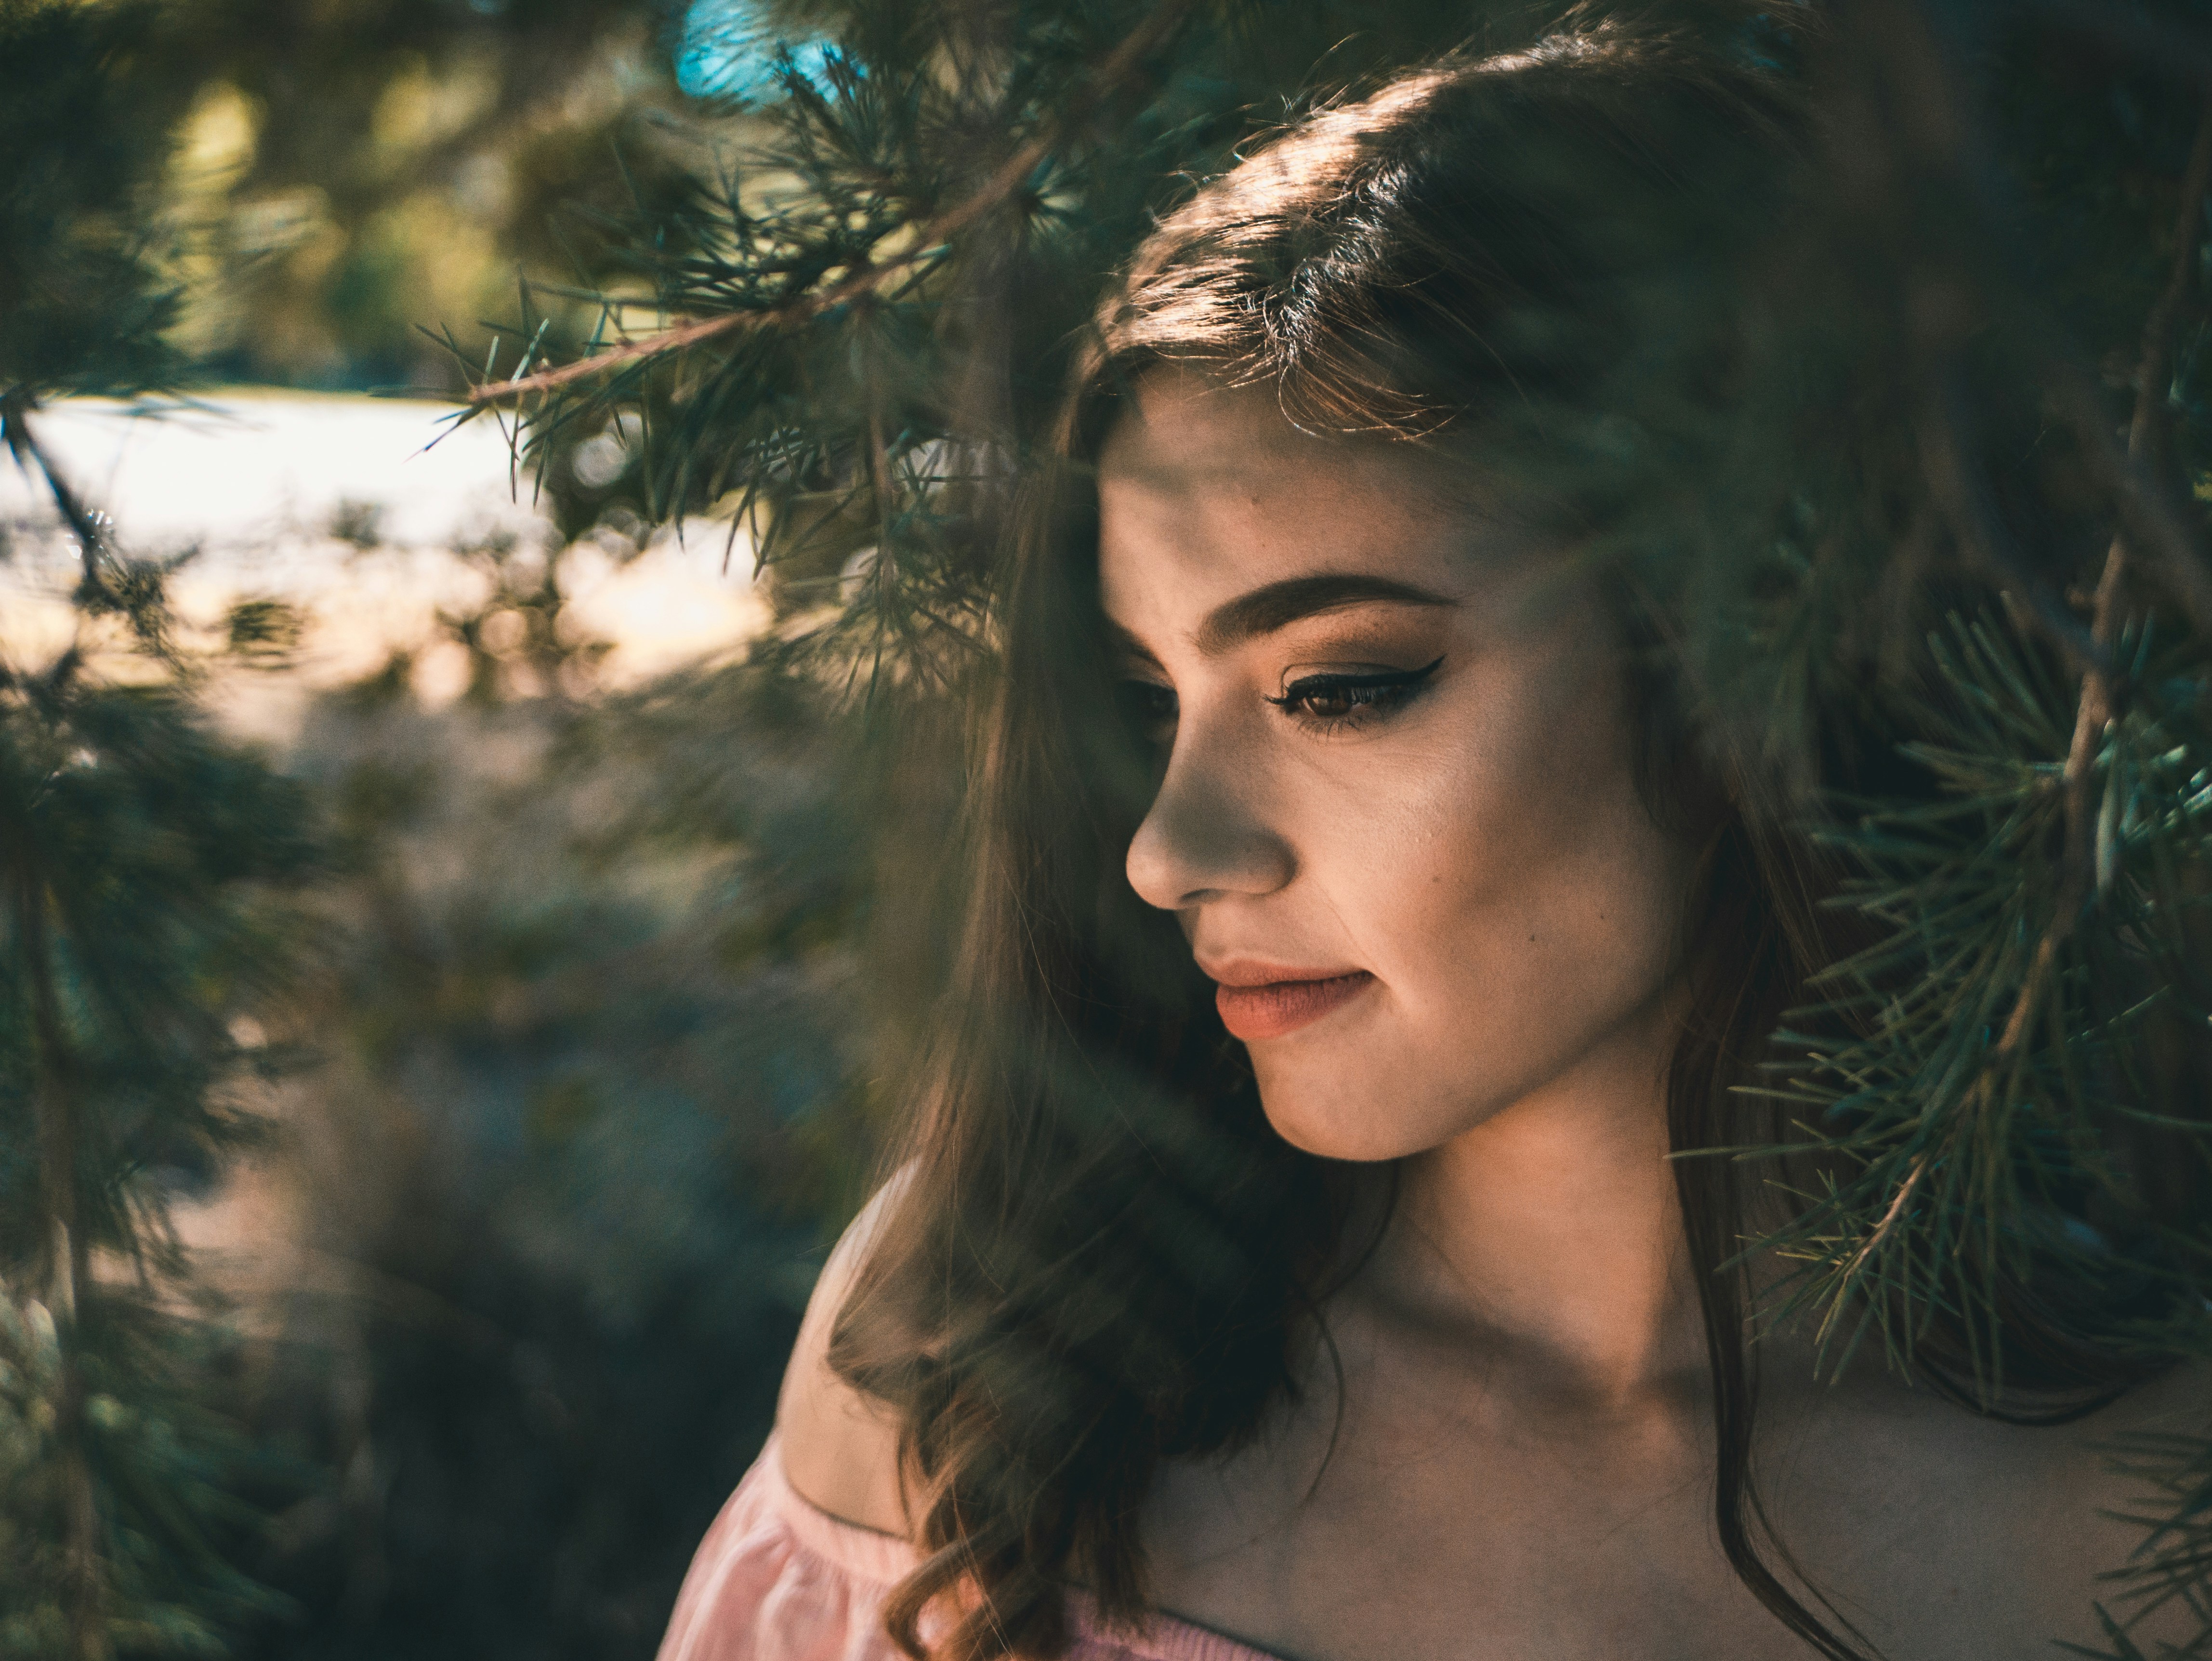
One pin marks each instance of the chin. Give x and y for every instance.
(1341, 1110)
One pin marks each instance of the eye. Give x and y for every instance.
(1149, 709)
(1333, 698)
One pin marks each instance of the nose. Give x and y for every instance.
(1205, 837)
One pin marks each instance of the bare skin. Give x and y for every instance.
(1396, 818)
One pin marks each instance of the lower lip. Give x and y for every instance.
(1281, 1007)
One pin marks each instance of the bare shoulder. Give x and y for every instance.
(1944, 1529)
(2105, 1474)
(840, 1447)
(2178, 1402)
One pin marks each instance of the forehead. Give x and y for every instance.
(1205, 493)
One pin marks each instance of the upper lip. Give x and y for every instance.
(1252, 971)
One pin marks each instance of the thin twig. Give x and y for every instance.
(2167, 542)
(31, 456)
(2139, 495)
(2146, 436)
(1962, 493)
(1872, 1243)
(1004, 181)
(2167, 545)
(2148, 449)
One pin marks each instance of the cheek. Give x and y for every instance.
(1551, 881)
(1496, 870)
(1514, 801)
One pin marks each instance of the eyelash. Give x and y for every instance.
(1363, 698)
(1150, 708)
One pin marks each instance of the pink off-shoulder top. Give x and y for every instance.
(776, 1579)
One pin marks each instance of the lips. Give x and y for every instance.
(1271, 1008)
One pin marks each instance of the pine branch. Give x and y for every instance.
(86, 526)
(2149, 448)
(69, 1246)
(1010, 174)
(2172, 1562)
(1947, 1086)
(1949, 301)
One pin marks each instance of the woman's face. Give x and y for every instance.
(1397, 818)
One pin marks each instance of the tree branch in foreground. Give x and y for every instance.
(1004, 181)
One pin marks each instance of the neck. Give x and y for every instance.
(1551, 1236)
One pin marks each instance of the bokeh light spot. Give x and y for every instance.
(730, 52)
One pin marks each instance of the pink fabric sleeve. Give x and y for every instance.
(776, 1579)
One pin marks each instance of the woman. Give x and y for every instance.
(1349, 1307)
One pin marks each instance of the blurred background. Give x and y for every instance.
(488, 949)
(570, 1075)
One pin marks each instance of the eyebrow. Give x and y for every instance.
(1278, 605)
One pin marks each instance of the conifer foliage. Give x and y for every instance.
(140, 854)
(1958, 492)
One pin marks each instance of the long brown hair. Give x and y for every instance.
(1101, 1256)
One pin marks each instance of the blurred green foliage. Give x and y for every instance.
(87, 304)
(314, 182)
(576, 1049)
(144, 860)
(347, 174)
(561, 1077)
(593, 1080)
(151, 867)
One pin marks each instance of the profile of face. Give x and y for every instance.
(1396, 813)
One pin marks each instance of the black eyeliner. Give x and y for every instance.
(1307, 687)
